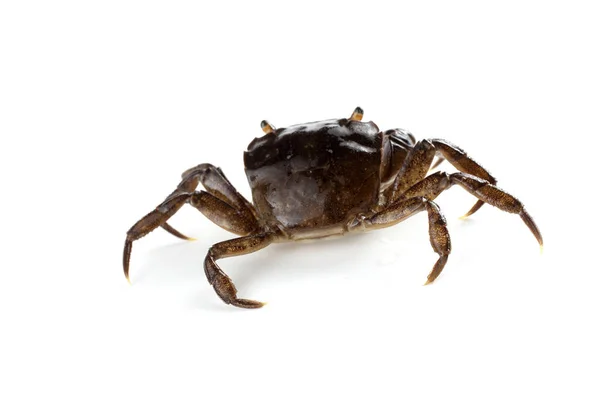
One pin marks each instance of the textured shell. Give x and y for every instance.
(315, 175)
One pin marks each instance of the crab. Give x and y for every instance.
(323, 179)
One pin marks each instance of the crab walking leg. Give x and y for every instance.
(215, 183)
(462, 162)
(419, 162)
(434, 184)
(219, 212)
(438, 231)
(148, 223)
(490, 194)
(219, 280)
(415, 167)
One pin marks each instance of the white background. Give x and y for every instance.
(104, 104)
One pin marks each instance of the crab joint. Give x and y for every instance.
(357, 114)
(267, 127)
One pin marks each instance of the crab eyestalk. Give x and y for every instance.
(267, 127)
(357, 114)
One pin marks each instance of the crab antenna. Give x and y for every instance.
(357, 114)
(267, 127)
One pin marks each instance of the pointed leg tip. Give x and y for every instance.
(541, 248)
(175, 232)
(428, 283)
(473, 209)
(468, 214)
(532, 227)
(127, 258)
(257, 304)
(245, 303)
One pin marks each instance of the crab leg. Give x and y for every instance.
(219, 280)
(403, 209)
(215, 209)
(490, 194)
(462, 162)
(414, 169)
(148, 223)
(419, 160)
(434, 184)
(215, 183)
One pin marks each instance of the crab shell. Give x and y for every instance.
(309, 180)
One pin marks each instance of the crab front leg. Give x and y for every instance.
(219, 280)
(218, 211)
(403, 209)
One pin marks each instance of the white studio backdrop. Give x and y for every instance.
(104, 104)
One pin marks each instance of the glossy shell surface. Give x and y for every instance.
(316, 176)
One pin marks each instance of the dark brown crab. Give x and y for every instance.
(322, 179)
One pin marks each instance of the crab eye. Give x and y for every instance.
(357, 114)
(267, 127)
